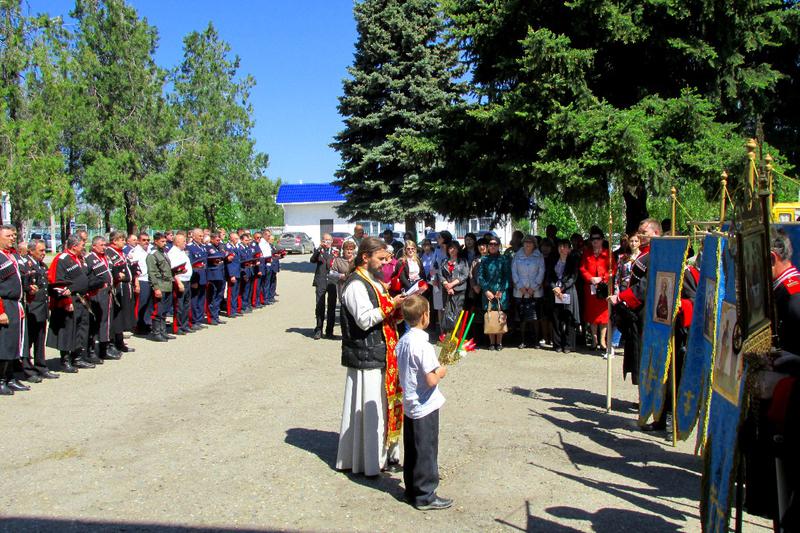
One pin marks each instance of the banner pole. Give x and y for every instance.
(672, 376)
(609, 336)
(723, 198)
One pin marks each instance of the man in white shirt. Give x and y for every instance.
(266, 253)
(144, 300)
(181, 295)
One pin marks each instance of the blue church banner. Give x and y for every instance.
(664, 282)
(694, 389)
(728, 371)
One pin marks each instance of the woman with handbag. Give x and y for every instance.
(409, 267)
(527, 270)
(595, 273)
(453, 274)
(494, 278)
(563, 295)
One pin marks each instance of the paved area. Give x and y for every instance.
(236, 427)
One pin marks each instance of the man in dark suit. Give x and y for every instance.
(323, 257)
(36, 312)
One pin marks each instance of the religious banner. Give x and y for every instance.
(727, 377)
(694, 389)
(664, 283)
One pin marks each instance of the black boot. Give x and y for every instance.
(111, 352)
(91, 354)
(66, 364)
(4, 390)
(80, 362)
(157, 331)
(16, 385)
(119, 344)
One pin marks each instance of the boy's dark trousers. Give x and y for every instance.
(421, 458)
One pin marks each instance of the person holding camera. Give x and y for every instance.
(323, 256)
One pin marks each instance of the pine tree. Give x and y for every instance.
(125, 158)
(215, 161)
(401, 80)
(574, 96)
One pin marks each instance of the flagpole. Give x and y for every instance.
(723, 199)
(672, 377)
(609, 336)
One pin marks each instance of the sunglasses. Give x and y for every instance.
(494, 244)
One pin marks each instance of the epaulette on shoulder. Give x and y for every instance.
(792, 284)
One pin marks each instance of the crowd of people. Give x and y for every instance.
(85, 301)
(553, 290)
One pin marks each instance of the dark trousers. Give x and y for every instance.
(329, 291)
(246, 291)
(144, 310)
(37, 333)
(180, 309)
(232, 298)
(198, 303)
(263, 287)
(421, 458)
(81, 317)
(273, 285)
(216, 290)
(563, 328)
(161, 307)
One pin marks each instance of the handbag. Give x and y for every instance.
(602, 290)
(495, 322)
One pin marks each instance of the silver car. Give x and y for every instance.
(296, 242)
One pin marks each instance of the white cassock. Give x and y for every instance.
(362, 436)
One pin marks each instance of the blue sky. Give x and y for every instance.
(298, 52)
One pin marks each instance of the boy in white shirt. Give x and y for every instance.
(420, 373)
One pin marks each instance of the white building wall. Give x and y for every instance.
(306, 218)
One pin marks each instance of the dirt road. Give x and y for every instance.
(236, 427)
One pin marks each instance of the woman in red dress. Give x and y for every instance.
(595, 270)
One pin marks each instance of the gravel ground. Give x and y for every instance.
(236, 427)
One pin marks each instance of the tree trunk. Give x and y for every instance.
(635, 208)
(107, 220)
(131, 201)
(16, 218)
(411, 225)
(62, 222)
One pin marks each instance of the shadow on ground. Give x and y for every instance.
(25, 524)
(324, 445)
(605, 520)
(299, 266)
(658, 475)
(305, 332)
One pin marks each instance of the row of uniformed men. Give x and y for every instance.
(232, 276)
(91, 299)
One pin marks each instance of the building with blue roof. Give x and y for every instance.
(311, 208)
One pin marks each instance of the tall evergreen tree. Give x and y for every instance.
(32, 171)
(574, 96)
(401, 80)
(125, 160)
(215, 160)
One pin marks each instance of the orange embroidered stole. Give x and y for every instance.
(394, 393)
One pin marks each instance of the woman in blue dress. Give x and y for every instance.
(495, 279)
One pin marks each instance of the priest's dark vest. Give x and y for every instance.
(362, 350)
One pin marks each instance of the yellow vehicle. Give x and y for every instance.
(786, 212)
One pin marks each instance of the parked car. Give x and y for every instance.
(45, 236)
(431, 236)
(488, 234)
(339, 237)
(296, 242)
